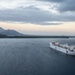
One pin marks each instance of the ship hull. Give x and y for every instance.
(66, 51)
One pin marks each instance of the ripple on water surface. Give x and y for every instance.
(34, 57)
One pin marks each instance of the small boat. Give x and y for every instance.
(65, 48)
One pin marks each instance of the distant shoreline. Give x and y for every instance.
(34, 36)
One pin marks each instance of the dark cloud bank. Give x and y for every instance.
(28, 15)
(64, 5)
(37, 16)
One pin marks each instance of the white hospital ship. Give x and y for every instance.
(65, 48)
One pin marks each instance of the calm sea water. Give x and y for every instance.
(34, 57)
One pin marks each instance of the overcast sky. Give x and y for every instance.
(35, 16)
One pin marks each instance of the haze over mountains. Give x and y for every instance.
(10, 32)
(15, 34)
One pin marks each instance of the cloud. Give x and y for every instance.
(52, 23)
(57, 1)
(34, 15)
(67, 5)
(12, 4)
(27, 15)
(63, 5)
(43, 12)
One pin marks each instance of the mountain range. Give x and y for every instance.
(15, 34)
(10, 32)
